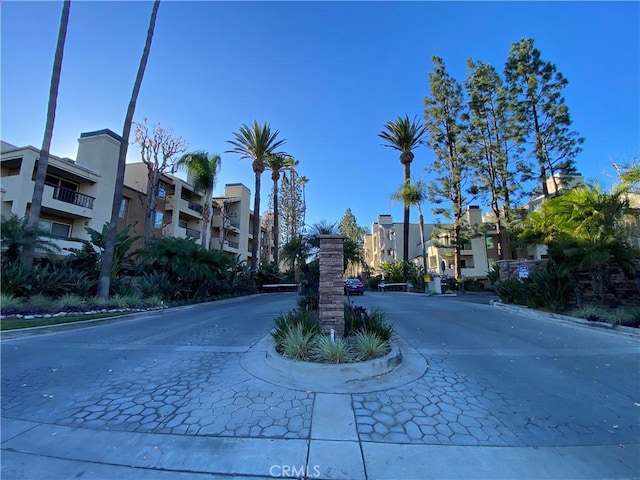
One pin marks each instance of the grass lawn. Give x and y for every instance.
(13, 323)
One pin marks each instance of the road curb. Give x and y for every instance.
(531, 313)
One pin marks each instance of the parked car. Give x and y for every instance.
(353, 286)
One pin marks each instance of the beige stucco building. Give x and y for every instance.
(79, 193)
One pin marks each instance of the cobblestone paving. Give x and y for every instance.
(200, 394)
(449, 408)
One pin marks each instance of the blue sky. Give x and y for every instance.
(328, 75)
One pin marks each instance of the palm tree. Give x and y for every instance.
(204, 171)
(16, 235)
(276, 163)
(43, 161)
(404, 135)
(414, 194)
(110, 242)
(585, 228)
(256, 142)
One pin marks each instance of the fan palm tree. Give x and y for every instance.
(276, 163)
(110, 242)
(404, 135)
(203, 169)
(256, 142)
(414, 194)
(43, 161)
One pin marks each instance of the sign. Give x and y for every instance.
(523, 271)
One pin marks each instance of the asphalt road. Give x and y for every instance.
(553, 383)
(78, 402)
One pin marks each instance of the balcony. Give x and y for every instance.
(234, 224)
(195, 207)
(71, 196)
(192, 232)
(232, 244)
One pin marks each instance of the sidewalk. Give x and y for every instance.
(227, 414)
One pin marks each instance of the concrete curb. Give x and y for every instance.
(531, 313)
(343, 378)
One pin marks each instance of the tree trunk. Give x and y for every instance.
(256, 224)
(539, 154)
(276, 223)
(43, 161)
(206, 216)
(405, 228)
(109, 247)
(151, 204)
(424, 251)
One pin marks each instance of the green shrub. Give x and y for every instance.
(40, 301)
(309, 302)
(296, 342)
(9, 301)
(367, 345)
(154, 301)
(308, 321)
(618, 316)
(15, 280)
(590, 312)
(634, 318)
(374, 282)
(325, 351)
(512, 290)
(548, 288)
(357, 319)
(70, 302)
(494, 273)
(132, 300)
(155, 283)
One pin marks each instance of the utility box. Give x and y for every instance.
(434, 285)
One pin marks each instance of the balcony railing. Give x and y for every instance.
(195, 207)
(233, 244)
(234, 223)
(71, 196)
(192, 232)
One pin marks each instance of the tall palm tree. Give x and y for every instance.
(414, 194)
(276, 163)
(404, 135)
(43, 161)
(204, 170)
(256, 142)
(110, 242)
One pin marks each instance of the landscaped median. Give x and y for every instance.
(533, 313)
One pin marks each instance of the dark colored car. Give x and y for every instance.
(353, 286)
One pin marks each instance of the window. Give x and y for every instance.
(489, 241)
(123, 208)
(55, 229)
(162, 191)
(183, 224)
(157, 218)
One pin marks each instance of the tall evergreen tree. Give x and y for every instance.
(43, 161)
(495, 146)
(292, 205)
(110, 242)
(444, 112)
(535, 89)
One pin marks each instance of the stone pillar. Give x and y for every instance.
(331, 303)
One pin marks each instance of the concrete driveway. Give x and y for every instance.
(166, 395)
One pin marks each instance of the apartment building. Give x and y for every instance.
(232, 222)
(384, 244)
(77, 193)
(179, 206)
